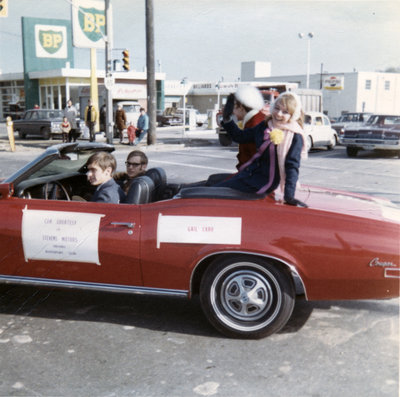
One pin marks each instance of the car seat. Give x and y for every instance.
(159, 177)
(141, 191)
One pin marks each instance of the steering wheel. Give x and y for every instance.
(55, 191)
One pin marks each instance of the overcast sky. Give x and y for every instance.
(208, 39)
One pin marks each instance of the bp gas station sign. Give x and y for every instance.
(89, 22)
(47, 44)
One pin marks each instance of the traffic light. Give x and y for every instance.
(125, 60)
(3, 8)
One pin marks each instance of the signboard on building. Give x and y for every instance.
(46, 44)
(89, 23)
(119, 91)
(334, 82)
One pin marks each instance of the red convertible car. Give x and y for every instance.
(245, 255)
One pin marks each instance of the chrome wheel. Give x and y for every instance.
(246, 297)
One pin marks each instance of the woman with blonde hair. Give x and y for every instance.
(280, 146)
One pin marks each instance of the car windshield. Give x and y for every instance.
(349, 117)
(67, 163)
(47, 114)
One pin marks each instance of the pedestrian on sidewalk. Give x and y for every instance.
(90, 119)
(142, 126)
(65, 129)
(120, 122)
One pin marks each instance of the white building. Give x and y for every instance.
(373, 92)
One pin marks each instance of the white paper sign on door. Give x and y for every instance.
(60, 236)
(198, 229)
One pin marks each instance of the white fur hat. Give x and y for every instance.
(297, 113)
(250, 97)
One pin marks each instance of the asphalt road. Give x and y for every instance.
(68, 343)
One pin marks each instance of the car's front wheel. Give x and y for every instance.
(246, 297)
(351, 151)
(225, 139)
(21, 134)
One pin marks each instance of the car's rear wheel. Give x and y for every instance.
(246, 297)
(351, 151)
(332, 143)
(45, 132)
(225, 139)
(309, 143)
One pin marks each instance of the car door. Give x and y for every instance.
(318, 130)
(24, 125)
(34, 123)
(69, 242)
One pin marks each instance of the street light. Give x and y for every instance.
(183, 82)
(309, 37)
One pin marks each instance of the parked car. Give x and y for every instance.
(242, 253)
(132, 110)
(170, 117)
(354, 119)
(380, 132)
(174, 116)
(15, 110)
(318, 131)
(45, 123)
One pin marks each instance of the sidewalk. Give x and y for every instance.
(167, 138)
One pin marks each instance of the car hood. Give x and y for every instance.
(345, 203)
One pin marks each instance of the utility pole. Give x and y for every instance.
(109, 102)
(151, 77)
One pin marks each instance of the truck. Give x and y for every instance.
(311, 100)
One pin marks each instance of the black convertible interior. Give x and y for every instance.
(148, 188)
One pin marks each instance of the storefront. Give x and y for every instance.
(56, 87)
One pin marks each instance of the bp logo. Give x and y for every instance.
(50, 41)
(92, 23)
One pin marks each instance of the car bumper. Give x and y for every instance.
(370, 144)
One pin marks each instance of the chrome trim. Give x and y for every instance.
(129, 225)
(44, 282)
(391, 269)
(296, 277)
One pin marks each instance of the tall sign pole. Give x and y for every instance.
(151, 76)
(109, 78)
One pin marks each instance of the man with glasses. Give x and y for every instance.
(136, 164)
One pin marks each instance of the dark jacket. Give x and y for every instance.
(120, 119)
(264, 171)
(109, 192)
(248, 150)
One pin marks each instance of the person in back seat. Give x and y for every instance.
(136, 165)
